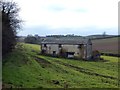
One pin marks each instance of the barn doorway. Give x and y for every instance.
(70, 54)
(54, 53)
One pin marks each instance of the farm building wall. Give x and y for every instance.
(89, 51)
(79, 52)
(50, 48)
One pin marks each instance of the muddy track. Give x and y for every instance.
(44, 63)
(41, 60)
(86, 71)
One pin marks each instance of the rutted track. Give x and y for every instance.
(86, 71)
(45, 63)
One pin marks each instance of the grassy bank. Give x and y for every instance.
(24, 67)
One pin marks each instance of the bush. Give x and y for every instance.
(10, 25)
(96, 55)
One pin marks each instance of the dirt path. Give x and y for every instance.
(44, 63)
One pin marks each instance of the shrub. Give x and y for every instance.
(96, 55)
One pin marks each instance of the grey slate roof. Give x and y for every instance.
(66, 41)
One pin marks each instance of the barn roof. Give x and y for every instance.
(66, 41)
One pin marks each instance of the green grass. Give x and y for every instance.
(20, 69)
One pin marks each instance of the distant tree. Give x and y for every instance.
(36, 35)
(104, 34)
(32, 39)
(10, 24)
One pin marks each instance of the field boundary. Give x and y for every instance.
(111, 54)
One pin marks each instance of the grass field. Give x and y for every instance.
(25, 68)
(108, 45)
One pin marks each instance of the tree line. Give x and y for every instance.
(10, 25)
(33, 39)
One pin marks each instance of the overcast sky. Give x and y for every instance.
(79, 17)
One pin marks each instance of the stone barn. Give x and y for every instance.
(70, 48)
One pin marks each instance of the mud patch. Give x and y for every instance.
(55, 82)
(5, 85)
(44, 63)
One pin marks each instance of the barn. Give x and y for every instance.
(70, 48)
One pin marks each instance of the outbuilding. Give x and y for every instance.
(70, 48)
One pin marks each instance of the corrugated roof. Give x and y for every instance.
(65, 41)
